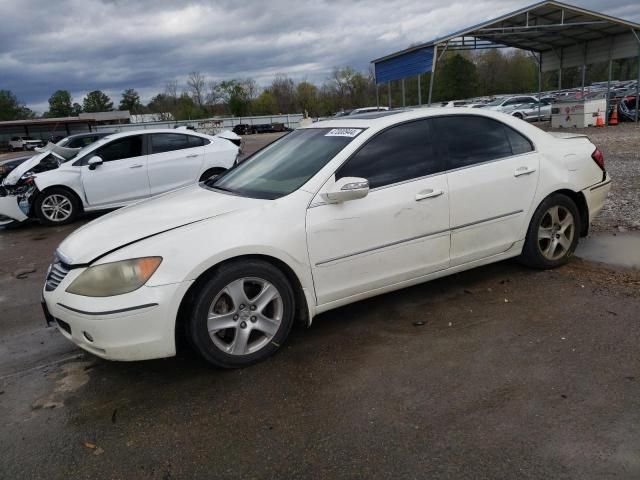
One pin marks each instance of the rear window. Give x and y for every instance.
(468, 140)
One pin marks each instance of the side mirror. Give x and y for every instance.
(345, 189)
(94, 162)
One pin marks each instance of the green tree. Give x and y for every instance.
(163, 106)
(76, 109)
(455, 79)
(130, 101)
(187, 109)
(11, 108)
(307, 98)
(97, 101)
(60, 104)
(265, 104)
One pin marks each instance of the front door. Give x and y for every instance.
(121, 178)
(399, 232)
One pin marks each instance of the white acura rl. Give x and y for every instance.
(327, 215)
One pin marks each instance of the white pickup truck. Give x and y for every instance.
(24, 143)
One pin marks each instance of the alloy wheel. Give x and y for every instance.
(56, 208)
(245, 316)
(556, 232)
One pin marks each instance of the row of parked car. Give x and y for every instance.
(98, 171)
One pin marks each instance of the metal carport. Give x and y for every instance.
(558, 35)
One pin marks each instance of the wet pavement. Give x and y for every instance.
(618, 249)
(499, 372)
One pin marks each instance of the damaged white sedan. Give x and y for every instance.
(327, 215)
(60, 183)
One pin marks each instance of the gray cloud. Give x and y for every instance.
(82, 45)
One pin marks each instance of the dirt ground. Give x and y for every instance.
(499, 372)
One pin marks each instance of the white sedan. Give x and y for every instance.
(330, 214)
(60, 183)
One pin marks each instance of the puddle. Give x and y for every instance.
(621, 249)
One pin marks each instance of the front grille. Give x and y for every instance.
(57, 272)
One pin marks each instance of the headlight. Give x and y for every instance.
(115, 278)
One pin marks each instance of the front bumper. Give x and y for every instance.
(10, 208)
(135, 326)
(596, 195)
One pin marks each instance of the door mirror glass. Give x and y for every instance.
(94, 162)
(345, 189)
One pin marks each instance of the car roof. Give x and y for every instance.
(126, 133)
(381, 120)
(89, 134)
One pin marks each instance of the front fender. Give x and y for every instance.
(61, 178)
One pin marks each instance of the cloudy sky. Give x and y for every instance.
(83, 45)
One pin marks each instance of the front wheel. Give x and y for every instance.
(57, 206)
(553, 233)
(242, 315)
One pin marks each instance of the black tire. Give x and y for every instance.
(10, 148)
(205, 304)
(211, 172)
(43, 201)
(536, 243)
(518, 115)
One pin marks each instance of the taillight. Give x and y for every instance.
(598, 157)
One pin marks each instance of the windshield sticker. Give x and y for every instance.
(344, 132)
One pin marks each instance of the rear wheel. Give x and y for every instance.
(553, 233)
(242, 315)
(57, 206)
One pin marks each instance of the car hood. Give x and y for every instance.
(148, 218)
(15, 159)
(23, 168)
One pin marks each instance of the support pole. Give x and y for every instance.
(638, 87)
(404, 101)
(539, 84)
(606, 112)
(377, 97)
(560, 71)
(584, 70)
(608, 104)
(389, 93)
(419, 91)
(433, 73)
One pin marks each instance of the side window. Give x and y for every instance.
(519, 143)
(467, 140)
(400, 153)
(121, 148)
(168, 142)
(195, 141)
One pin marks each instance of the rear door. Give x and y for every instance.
(175, 160)
(122, 177)
(398, 232)
(493, 176)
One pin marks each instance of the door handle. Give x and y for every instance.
(192, 156)
(523, 171)
(429, 193)
(136, 166)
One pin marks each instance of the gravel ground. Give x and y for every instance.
(621, 148)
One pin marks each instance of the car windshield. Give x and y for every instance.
(63, 142)
(286, 164)
(495, 103)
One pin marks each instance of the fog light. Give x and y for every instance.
(88, 337)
